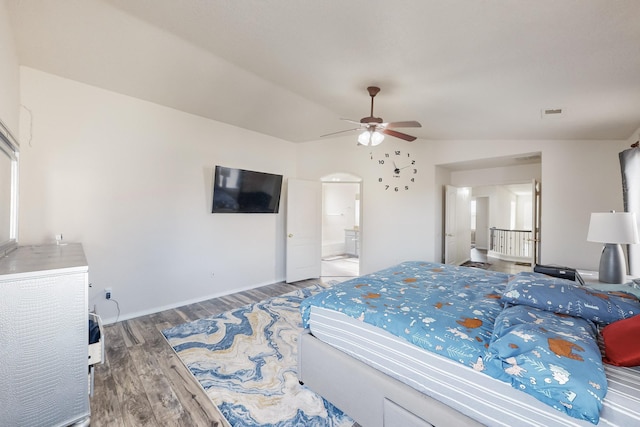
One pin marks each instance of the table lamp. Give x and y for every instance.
(613, 229)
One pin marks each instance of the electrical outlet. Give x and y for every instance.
(107, 293)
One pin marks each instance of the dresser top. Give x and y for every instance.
(26, 259)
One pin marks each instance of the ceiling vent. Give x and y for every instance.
(552, 113)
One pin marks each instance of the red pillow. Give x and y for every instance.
(622, 342)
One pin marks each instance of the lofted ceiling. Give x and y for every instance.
(465, 69)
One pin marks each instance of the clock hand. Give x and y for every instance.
(396, 170)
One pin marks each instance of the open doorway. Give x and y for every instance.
(502, 226)
(341, 234)
(497, 186)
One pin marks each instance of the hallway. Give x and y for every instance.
(480, 255)
(346, 267)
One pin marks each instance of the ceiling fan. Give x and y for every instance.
(373, 128)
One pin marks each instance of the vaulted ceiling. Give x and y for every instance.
(466, 69)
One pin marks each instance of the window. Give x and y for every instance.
(8, 190)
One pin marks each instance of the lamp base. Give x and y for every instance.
(613, 268)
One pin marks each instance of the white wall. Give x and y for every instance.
(9, 74)
(578, 177)
(524, 214)
(497, 176)
(396, 226)
(132, 181)
(484, 183)
(501, 217)
(635, 137)
(482, 223)
(339, 213)
(499, 200)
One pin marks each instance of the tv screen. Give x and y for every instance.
(243, 191)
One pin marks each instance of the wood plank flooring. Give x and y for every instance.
(143, 382)
(498, 264)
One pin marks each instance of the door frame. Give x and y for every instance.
(469, 169)
(536, 221)
(313, 270)
(346, 178)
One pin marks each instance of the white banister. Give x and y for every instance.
(513, 245)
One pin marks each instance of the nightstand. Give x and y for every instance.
(591, 280)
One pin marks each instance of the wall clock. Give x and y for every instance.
(396, 170)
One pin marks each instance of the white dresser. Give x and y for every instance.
(44, 336)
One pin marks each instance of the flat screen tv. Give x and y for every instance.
(244, 191)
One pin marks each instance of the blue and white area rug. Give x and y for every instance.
(246, 361)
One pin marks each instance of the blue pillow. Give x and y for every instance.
(564, 296)
(553, 357)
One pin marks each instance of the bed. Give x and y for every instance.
(425, 344)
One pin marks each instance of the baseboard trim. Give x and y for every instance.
(129, 316)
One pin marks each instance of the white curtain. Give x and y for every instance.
(630, 168)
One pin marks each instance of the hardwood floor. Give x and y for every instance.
(498, 264)
(143, 382)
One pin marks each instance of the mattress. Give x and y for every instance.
(470, 392)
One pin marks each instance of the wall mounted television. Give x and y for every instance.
(244, 191)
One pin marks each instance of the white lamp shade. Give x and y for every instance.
(613, 227)
(370, 138)
(376, 138)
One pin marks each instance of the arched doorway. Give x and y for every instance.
(341, 219)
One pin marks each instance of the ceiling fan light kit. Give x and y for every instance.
(370, 138)
(372, 129)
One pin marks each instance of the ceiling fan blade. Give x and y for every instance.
(407, 124)
(399, 135)
(340, 131)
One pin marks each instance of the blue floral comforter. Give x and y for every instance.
(461, 313)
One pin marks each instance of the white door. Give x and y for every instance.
(449, 224)
(536, 196)
(304, 230)
(457, 225)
